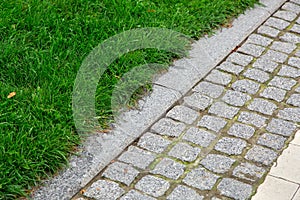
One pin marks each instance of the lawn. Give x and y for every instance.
(42, 45)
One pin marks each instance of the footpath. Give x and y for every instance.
(228, 135)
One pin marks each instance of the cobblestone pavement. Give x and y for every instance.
(221, 140)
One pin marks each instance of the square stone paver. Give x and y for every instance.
(246, 86)
(241, 130)
(182, 193)
(169, 168)
(137, 157)
(219, 77)
(235, 98)
(291, 114)
(275, 56)
(235, 189)
(259, 39)
(231, 68)
(197, 101)
(248, 172)
(152, 185)
(121, 172)
(199, 137)
(217, 163)
(283, 83)
(153, 142)
(281, 127)
(277, 23)
(283, 47)
(209, 89)
(212, 123)
(290, 37)
(135, 195)
(273, 93)
(184, 152)
(103, 189)
(261, 155)
(262, 106)
(291, 7)
(251, 49)
(289, 72)
(240, 59)
(231, 146)
(275, 189)
(252, 119)
(183, 114)
(269, 31)
(257, 75)
(265, 65)
(295, 62)
(286, 15)
(223, 110)
(168, 127)
(294, 100)
(201, 178)
(273, 141)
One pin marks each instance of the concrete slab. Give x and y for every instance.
(275, 189)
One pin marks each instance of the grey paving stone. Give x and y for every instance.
(283, 47)
(273, 93)
(298, 51)
(246, 86)
(257, 75)
(251, 49)
(269, 31)
(199, 137)
(137, 157)
(182, 193)
(249, 172)
(283, 83)
(223, 110)
(270, 140)
(297, 89)
(290, 37)
(262, 106)
(212, 123)
(219, 77)
(169, 168)
(295, 1)
(184, 152)
(295, 28)
(291, 114)
(231, 68)
(168, 127)
(201, 178)
(241, 130)
(209, 89)
(298, 20)
(135, 195)
(183, 114)
(261, 155)
(152, 185)
(153, 142)
(253, 119)
(120, 172)
(217, 163)
(265, 65)
(295, 62)
(240, 59)
(294, 100)
(231, 146)
(197, 101)
(275, 56)
(286, 15)
(103, 189)
(277, 23)
(235, 189)
(289, 72)
(291, 7)
(259, 39)
(235, 98)
(281, 127)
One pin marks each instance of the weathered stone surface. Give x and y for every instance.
(184, 152)
(223, 110)
(283, 47)
(257, 75)
(291, 7)
(290, 37)
(291, 114)
(265, 65)
(209, 89)
(283, 83)
(103, 189)
(219, 77)
(248, 172)
(251, 49)
(294, 100)
(135, 195)
(169, 168)
(241, 130)
(295, 28)
(235, 98)
(273, 93)
(199, 137)
(275, 56)
(277, 23)
(153, 142)
(281, 127)
(252, 118)
(168, 127)
(273, 141)
(246, 86)
(121, 172)
(197, 101)
(137, 157)
(286, 15)
(231, 146)
(261, 155)
(258, 39)
(295, 62)
(269, 31)
(183, 114)
(152, 185)
(231, 68)
(235, 189)
(212, 123)
(262, 106)
(240, 59)
(182, 193)
(217, 163)
(201, 178)
(289, 72)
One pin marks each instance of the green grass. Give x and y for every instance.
(42, 45)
